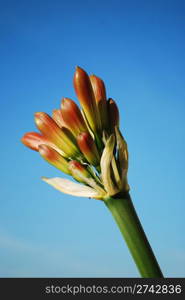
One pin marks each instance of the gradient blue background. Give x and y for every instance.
(138, 48)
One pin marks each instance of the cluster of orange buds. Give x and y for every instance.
(84, 143)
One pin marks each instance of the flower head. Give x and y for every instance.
(85, 144)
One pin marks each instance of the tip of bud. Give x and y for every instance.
(24, 141)
(113, 113)
(65, 101)
(32, 140)
(79, 71)
(83, 135)
(78, 68)
(74, 164)
(38, 114)
(111, 100)
(85, 141)
(78, 171)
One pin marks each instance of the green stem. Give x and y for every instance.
(125, 216)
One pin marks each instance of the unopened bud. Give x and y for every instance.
(61, 137)
(54, 158)
(78, 171)
(33, 139)
(86, 97)
(100, 97)
(88, 148)
(113, 114)
(72, 116)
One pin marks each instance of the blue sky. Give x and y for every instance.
(138, 48)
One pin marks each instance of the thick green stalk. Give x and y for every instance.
(125, 215)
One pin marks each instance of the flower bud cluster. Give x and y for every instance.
(84, 143)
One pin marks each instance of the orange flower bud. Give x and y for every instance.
(100, 97)
(86, 97)
(78, 171)
(61, 137)
(98, 88)
(54, 158)
(88, 148)
(72, 116)
(33, 139)
(113, 113)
